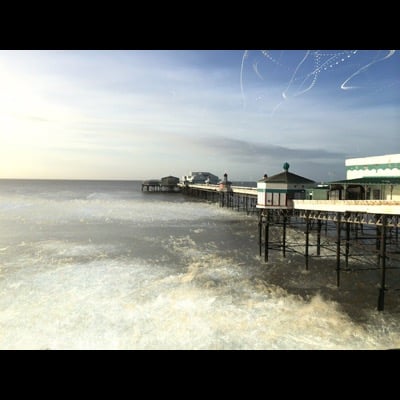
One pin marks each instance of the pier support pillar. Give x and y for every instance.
(284, 234)
(307, 233)
(266, 239)
(338, 231)
(347, 252)
(381, 298)
(260, 218)
(319, 226)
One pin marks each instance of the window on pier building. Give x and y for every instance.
(376, 194)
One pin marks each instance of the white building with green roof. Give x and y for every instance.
(377, 166)
(369, 178)
(279, 191)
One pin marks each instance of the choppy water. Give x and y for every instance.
(101, 265)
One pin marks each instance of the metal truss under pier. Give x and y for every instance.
(373, 234)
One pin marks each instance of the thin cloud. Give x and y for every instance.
(245, 150)
(147, 111)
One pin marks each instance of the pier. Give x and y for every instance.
(354, 222)
(168, 184)
(238, 198)
(359, 234)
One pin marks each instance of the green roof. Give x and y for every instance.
(375, 180)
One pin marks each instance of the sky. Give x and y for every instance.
(145, 114)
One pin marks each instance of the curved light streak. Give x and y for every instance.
(343, 85)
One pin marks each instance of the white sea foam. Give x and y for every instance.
(131, 304)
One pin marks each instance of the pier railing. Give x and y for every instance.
(239, 198)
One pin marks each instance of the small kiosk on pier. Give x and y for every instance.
(280, 190)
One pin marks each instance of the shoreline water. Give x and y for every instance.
(105, 266)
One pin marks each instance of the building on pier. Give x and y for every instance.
(200, 177)
(377, 166)
(369, 178)
(151, 185)
(166, 184)
(319, 192)
(169, 181)
(279, 191)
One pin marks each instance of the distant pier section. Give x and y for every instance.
(169, 184)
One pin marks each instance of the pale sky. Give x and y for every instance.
(142, 114)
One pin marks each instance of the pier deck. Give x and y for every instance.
(354, 206)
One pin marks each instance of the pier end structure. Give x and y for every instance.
(166, 184)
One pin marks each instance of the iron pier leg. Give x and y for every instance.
(378, 239)
(356, 231)
(381, 298)
(338, 229)
(319, 226)
(284, 235)
(266, 236)
(307, 232)
(347, 241)
(260, 231)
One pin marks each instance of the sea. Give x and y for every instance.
(103, 265)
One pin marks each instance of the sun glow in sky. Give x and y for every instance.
(147, 114)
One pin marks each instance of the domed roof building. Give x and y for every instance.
(279, 191)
